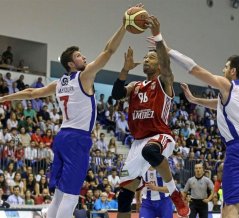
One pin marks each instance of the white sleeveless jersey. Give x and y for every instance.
(78, 108)
(228, 115)
(153, 176)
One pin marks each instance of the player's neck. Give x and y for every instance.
(152, 77)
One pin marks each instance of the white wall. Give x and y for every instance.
(206, 34)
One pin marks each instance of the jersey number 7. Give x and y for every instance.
(65, 101)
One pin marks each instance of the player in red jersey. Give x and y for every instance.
(149, 105)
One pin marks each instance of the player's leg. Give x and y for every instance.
(230, 211)
(75, 155)
(164, 208)
(56, 170)
(147, 209)
(156, 151)
(125, 198)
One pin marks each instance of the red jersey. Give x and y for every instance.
(149, 108)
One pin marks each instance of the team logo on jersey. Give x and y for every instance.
(136, 90)
(64, 81)
(143, 114)
(153, 85)
(151, 175)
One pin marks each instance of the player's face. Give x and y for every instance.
(227, 71)
(79, 61)
(150, 63)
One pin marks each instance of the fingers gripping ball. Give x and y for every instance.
(135, 20)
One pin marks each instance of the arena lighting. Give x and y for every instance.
(235, 3)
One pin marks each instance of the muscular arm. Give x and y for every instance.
(219, 82)
(164, 62)
(31, 93)
(209, 103)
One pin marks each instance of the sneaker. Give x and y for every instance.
(182, 207)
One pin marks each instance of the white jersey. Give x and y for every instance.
(153, 176)
(228, 114)
(78, 108)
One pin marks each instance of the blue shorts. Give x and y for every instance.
(161, 208)
(71, 149)
(230, 177)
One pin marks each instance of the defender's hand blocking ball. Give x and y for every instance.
(135, 20)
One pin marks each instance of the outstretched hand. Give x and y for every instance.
(129, 63)
(154, 25)
(187, 92)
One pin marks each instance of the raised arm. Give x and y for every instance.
(209, 103)
(31, 93)
(164, 61)
(219, 82)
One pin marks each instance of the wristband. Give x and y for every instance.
(158, 38)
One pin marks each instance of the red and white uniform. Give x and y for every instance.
(149, 108)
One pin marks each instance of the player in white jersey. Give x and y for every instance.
(155, 197)
(227, 106)
(71, 146)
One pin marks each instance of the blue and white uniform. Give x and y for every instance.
(228, 124)
(72, 144)
(154, 203)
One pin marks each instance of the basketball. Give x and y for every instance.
(135, 20)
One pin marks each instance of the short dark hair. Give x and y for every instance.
(66, 56)
(234, 63)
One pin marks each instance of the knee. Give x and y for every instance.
(152, 152)
(125, 199)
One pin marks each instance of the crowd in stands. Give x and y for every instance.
(27, 130)
(7, 62)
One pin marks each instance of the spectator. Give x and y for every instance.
(48, 138)
(102, 204)
(37, 104)
(36, 137)
(20, 83)
(29, 112)
(101, 144)
(15, 198)
(101, 107)
(12, 121)
(38, 83)
(88, 201)
(3, 203)
(9, 82)
(32, 185)
(31, 154)
(28, 198)
(112, 146)
(54, 115)
(103, 185)
(3, 185)
(7, 56)
(114, 180)
(25, 138)
(122, 128)
(17, 181)
(44, 113)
